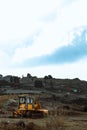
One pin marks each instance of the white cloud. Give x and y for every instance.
(53, 34)
(4, 58)
(22, 19)
(19, 20)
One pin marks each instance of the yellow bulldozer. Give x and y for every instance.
(29, 107)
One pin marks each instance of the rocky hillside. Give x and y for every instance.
(47, 83)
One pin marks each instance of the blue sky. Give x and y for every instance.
(43, 37)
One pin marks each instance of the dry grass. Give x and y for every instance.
(55, 123)
(65, 112)
(52, 124)
(5, 98)
(56, 119)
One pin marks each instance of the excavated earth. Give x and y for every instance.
(65, 100)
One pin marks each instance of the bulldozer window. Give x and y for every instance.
(29, 100)
(22, 100)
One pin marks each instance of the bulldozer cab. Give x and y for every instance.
(26, 102)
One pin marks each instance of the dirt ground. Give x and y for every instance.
(68, 117)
